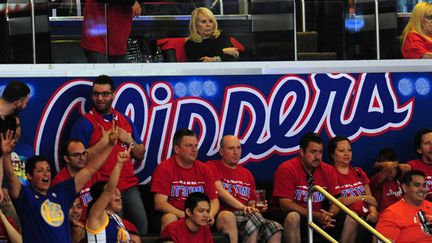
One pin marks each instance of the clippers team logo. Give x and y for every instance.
(52, 213)
(268, 117)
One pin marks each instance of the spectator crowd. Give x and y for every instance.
(96, 197)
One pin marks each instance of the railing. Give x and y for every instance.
(313, 226)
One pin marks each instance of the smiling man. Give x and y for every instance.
(410, 219)
(44, 210)
(423, 146)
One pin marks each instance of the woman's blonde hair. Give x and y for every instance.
(193, 24)
(420, 10)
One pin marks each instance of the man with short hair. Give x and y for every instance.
(87, 130)
(409, 219)
(291, 184)
(75, 156)
(423, 146)
(41, 208)
(194, 226)
(236, 190)
(14, 99)
(174, 179)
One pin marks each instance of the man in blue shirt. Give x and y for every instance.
(44, 210)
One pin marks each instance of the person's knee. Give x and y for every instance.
(292, 220)
(226, 221)
(167, 219)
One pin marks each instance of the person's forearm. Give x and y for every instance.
(227, 198)
(13, 235)
(168, 208)
(13, 184)
(427, 55)
(214, 207)
(138, 151)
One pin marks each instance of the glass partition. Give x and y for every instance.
(269, 30)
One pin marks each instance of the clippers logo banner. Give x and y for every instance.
(269, 113)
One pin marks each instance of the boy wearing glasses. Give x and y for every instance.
(87, 129)
(410, 219)
(293, 178)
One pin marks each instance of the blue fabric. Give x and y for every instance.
(46, 218)
(83, 130)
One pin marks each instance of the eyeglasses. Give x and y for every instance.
(79, 155)
(310, 180)
(429, 17)
(104, 94)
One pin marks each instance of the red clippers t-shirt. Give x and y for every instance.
(239, 182)
(177, 183)
(290, 182)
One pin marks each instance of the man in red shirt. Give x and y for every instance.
(236, 188)
(292, 181)
(423, 145)
(88, 129)
(194, 227)
(410, 219)
(182, 174)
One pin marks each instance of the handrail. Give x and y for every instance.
(313, 226)
(33, 28)
(303, 17)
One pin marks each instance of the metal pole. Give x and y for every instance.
(295, 29)
(221, 7)
(377, 31)
(309, 215)
(303, 9)
(33, 26)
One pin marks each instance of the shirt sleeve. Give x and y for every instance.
(387, 225)
(82, 130)
(414, 47)
(284, 183)
(210, 187)
(161, 182)
(253, 187)
(363, 176)
(333, 183)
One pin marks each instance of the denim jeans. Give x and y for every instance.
(133, 209)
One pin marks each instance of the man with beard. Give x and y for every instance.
(291, 184)
(423, 146)
(87, 130)
(14, 99)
